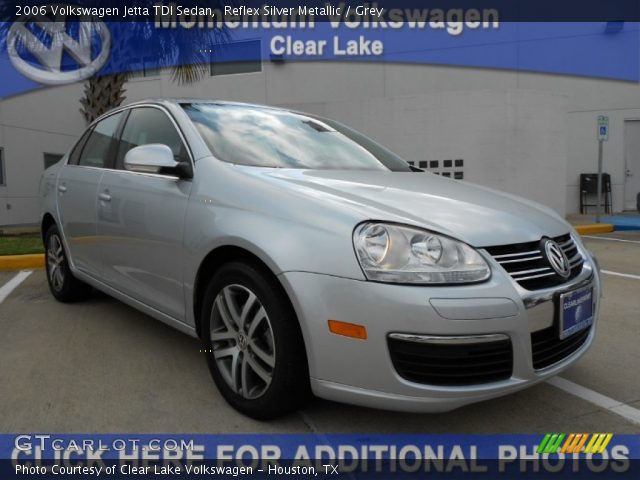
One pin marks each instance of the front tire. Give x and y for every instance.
(253, 342)
(63, 285)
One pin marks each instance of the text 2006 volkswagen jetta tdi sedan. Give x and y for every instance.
(310, 259)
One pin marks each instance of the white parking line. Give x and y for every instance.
(618, 274)
(627, 412)
(611, 239)
(12, 284)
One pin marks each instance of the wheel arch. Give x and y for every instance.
(47, 222)
(215, 259)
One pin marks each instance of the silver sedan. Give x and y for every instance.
(309, 259)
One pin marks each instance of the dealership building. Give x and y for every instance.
(530, 134)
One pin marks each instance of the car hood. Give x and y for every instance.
(474, 214)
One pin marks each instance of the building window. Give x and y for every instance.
(224, 59)
(51, 159)
(145, 67)
(446, 168)
(3, 181)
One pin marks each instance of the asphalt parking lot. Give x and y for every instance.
(100, 366)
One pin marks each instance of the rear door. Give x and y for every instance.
(141, 218)
(78, 183)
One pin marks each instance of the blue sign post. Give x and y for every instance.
(603, 136)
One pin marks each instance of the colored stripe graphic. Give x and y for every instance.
(574, 443)
(598, 442)
(550, 443)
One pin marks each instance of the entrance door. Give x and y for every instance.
(632, 164)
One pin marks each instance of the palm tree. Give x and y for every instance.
(172, 49)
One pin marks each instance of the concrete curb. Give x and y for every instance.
(594, 228)
(21, 262)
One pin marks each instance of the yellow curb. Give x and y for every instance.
(594, 228)
(19, 262)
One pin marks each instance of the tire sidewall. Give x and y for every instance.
(286, 338)
(73, 290)
(66, 284)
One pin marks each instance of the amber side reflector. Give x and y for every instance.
(348, 329)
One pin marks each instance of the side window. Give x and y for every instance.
(96, 151)
(147, 125)
(77, 149)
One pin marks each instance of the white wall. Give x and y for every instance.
(47, 120)
(535, 165)
(529, 134)
(514, 141)
(511, 139)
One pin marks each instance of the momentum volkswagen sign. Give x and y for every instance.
(57, 44)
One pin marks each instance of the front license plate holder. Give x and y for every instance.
(576, 311)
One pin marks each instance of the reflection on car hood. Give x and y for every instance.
(474, 214)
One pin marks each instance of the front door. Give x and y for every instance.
(141, 219)
(632, 164)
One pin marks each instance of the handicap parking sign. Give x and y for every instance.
(603, 128)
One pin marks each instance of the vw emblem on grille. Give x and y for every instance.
(557, 258)
(36, 45)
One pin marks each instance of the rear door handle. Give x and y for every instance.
(105, 197)
(62, 188)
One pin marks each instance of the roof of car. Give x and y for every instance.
(178, 101)
(181, 100)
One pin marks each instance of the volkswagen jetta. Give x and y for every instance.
(309, 259)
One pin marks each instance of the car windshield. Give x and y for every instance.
(266, 137)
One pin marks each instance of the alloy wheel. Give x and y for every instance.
(55, 262)
(243, 342)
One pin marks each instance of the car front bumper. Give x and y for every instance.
(362, 372)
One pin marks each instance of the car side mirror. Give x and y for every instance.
(156, 158)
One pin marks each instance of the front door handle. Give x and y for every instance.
(62, 188)
(105, 197)
(628, 173)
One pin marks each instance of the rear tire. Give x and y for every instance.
(253, 342)
(63, 285)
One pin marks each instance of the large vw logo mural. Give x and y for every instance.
(55, 51)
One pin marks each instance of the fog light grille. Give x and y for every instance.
(446, 363)
(548, 349)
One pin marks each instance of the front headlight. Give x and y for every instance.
(399, 254)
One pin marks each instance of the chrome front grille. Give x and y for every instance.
(527, 263)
